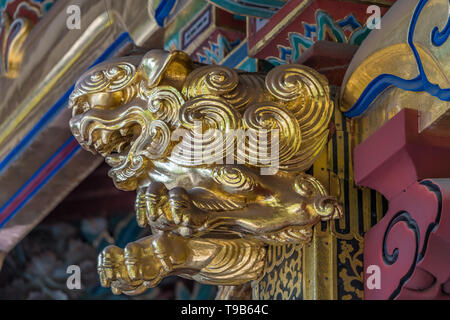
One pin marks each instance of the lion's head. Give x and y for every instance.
(114, 115)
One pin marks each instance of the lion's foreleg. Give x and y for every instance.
(144, 263)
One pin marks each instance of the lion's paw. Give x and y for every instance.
(169, 210)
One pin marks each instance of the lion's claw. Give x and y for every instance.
(149, 202)
(131, 270)
(112, 271)
(164, 209)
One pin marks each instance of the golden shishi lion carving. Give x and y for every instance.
(211, 218)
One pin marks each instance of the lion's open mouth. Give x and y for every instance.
(109, 134)
(115, 145)
(128, 139)
(115, 139)
(112, 143)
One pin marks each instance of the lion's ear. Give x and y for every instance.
(166, 68)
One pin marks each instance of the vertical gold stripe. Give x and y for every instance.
(351, 145)
(320, 171)
(340, 168)
(379, 206)
(319, 261)
(333, 272)
(354, 212)
(340, 156)
(366, 209)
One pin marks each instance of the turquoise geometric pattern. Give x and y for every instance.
(216, 51)
(325, 27)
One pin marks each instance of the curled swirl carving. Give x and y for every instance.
(159, 139)
(217, 80)
(305, 93)
(208, 120)
(263, 121)
(238, 89)
(234, 178)
(250, 89)
(164, 102)
(120, 80)
(308, 186)
(327, 208)
(107, 79)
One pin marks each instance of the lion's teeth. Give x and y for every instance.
(118, 147)
(122, 146)
(106, 135)
(114, 160)
(123, 132)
